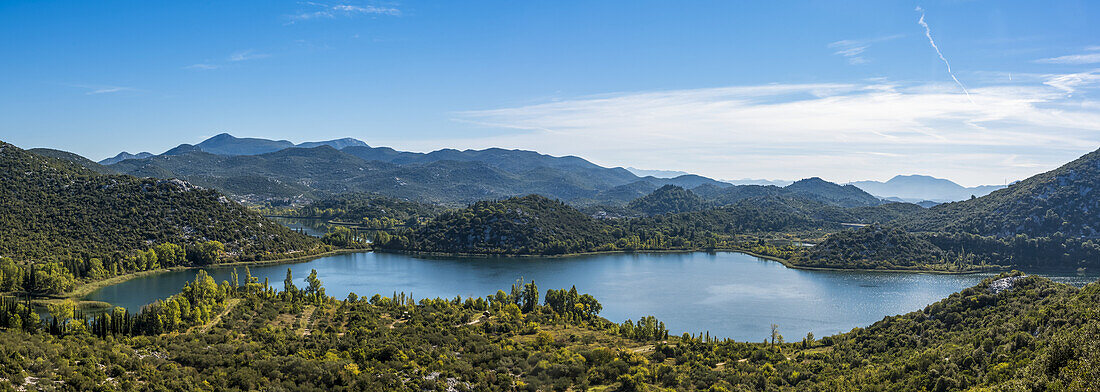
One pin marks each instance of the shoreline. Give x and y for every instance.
(785, 262)
(80, 292)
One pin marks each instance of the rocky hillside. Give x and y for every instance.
(1064, 201)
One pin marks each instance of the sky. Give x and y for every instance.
(979, 92)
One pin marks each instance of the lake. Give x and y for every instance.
(728, 294)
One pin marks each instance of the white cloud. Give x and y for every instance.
(245, 55)
(202, 66)
(100, 89)
(1088, 58)
(853, 48)
(329, 11)
(1071, 83)
(838, 131)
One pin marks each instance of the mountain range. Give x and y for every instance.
(122, 156)
(259, 170)
(251, 170)
(917, 188)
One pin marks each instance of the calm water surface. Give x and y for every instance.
(729, 294)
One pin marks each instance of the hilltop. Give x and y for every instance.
(668, 199)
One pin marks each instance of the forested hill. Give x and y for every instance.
(54, 209)
(74, 158)
(1065, 200)
(366, 210)
(668, 199)
(874, 246)
(522, 225)
(841, 195)
(533, 225)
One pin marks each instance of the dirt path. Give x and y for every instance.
(480, 318)
(229, 305)
(307, 316)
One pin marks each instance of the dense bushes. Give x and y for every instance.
(1009, 332)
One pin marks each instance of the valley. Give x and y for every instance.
(718, 261)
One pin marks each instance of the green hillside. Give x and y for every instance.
(874, 246)
(367, 210)
(841, 195)
(51, 209)
(522, 225)
(1009, 333)
(669, 199)
(74, 158)
(1064, 201)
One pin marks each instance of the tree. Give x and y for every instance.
(11, 276)
(288, 284)
(530, 296)
(775, 333)
(314, 290)
(206, 253)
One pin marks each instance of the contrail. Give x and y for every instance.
(928, 33)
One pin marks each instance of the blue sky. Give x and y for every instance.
(845, 91)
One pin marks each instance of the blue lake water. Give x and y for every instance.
(728, 294)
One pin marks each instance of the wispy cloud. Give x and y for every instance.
(330, 11)
(928, 33)
(245, 55)
(235, 57)
(853, 48)
(1083, 58)
(201, 66)
(101, 89)
(1071, 83)
(839, 131)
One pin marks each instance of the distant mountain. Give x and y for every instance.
(324, 171)
(1064, 201)
(668, 199)
(226, 144)
(915, 188)
(813, 189)
(687, 181)
(753, 181)
(52, 208)
(122, 156)
(842, 195)
(656, 173)
(736, 193)
(446, 176)
(338, 144)
(571, 169)
(70, 157)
